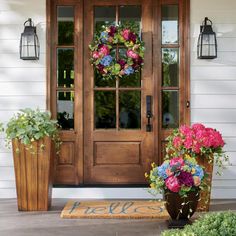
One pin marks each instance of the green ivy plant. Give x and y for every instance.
(213, 224)
(31, 125)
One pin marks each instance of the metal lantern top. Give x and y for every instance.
(29, 43)
(207, 44)
(206, 28)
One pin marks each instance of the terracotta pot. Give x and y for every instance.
(174, 202)
(33, 172)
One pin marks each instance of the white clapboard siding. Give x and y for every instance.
(213, 84)
(6, 159)
(213, 73)
(222, 30)
(23, 88)
(20, 102)
(213, 115)
(213, 87)
(224, 58)
(22, 74)
(202, 101)
(11, 60)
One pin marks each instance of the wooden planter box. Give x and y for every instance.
(33, 172)
(204, 203)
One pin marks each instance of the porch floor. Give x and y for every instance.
(49, 223)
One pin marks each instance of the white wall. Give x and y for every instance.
(22, 83)
(213, 83)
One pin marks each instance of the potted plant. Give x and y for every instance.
(204, 144)
(180, 180)
(31, 133)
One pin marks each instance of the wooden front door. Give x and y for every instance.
(118, 149)
(104, 122)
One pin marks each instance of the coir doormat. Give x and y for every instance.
(114, 209)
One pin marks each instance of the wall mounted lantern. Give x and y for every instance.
(29, 43)
(207, 44)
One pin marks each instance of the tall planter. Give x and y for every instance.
(33, 172)
(204, 202)
(180, 208)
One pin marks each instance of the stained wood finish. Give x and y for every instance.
(33, 173)
(114, 171)
(82, 159)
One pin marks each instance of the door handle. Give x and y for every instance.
(149, 114)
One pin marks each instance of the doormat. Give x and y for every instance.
(114, 209)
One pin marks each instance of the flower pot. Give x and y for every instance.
(180, 208)
(204, 203)
(33, 172)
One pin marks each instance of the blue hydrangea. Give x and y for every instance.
(162, 170)
(104, 36)
(129, 70)
(106, 61)
(198, 171)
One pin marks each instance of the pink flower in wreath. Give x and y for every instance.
(95, 55)
(172, 184)
(132, 54)
(197, 127)
(177, 141)
(125, 34)
(177, 161)
(104, 50)
(188, 142)
(186, 130)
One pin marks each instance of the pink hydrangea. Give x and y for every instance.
(125, 34)
(177, 141)
(198, 126)
(172, 184)
(132, 54)
(188, 142)
(95, 55)
(186, 130)
(197, 147)
(104, 50)
(177, 161)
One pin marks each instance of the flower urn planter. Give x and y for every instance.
(180, 208)
(33, 172)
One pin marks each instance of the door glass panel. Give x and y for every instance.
(133, 80)
(130, 109)
(65, 109)
(65, 67)
(131, 16)
(170, 67)
(105, 109)
(65, 20)
(105, 15)
(170, 109)
(170, 30)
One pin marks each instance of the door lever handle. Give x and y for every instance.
(149, 114)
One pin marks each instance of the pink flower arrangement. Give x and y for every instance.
(179, 175)
(196, 139)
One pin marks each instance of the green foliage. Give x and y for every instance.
(214, 224)
(31, 125)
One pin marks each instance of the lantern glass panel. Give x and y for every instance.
(29, 47)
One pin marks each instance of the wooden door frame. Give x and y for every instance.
(184, 72)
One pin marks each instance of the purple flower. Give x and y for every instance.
(100, 68)
(185, 178)
(132, 37)
(112, 31)
(137, 62)
(122, 63)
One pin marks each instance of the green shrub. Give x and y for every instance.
(31, 125)
(213, 224)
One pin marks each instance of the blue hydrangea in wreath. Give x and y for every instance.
(107, 64)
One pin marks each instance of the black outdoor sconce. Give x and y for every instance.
(29, 43)
(207, 44)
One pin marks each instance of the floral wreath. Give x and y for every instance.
(109, 66)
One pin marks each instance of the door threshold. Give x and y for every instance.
(104, 193)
